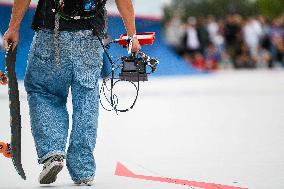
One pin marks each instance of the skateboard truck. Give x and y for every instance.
(3, 78)
(5, 149)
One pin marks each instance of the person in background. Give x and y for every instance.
(191, 39)
(203, 34)
(252, 35)
(263, 58)
(243, 58)
(232, 34)
(212, 27)
(240, 42)
(174, 33)
(199, 61)
(215, 30)
(277, 41)
(212, 57)
(265, 45)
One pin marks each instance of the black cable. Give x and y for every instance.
(114, 83)
(113, 101)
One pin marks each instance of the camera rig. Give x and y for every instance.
(133, 68)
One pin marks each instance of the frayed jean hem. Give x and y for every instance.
(76, 180)
(50, 154)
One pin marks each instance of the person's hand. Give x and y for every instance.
(11, 36)
(135, 46)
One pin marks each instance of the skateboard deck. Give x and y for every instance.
(13, 150)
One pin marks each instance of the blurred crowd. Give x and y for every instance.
(234, 41)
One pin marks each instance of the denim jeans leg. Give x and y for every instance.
(85, 98)
(80, 159)
(47, 89)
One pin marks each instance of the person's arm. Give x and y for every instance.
(18, 12)
(126, 10)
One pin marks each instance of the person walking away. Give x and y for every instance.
(65, 53)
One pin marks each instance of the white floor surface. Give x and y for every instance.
(224, 128)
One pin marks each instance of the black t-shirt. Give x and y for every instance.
(45, 17)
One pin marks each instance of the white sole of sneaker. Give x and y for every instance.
(84, 184)
(49, 175)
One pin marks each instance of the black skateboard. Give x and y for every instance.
(13, 150)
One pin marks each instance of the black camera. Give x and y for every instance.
(134, 67)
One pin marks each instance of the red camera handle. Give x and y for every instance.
(144, 38)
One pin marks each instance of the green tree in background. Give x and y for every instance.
(219, 8)
(270, 8)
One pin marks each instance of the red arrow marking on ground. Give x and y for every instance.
(123, 171)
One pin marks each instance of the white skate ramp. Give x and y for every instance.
(222, 131)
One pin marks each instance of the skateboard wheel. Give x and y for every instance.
(3, 83)
(3, 147)
(7, 154)
(3, 78)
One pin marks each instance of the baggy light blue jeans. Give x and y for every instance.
(47, 85)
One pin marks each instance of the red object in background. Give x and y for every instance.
(145, 38)
(211, 64)
(199, 62)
